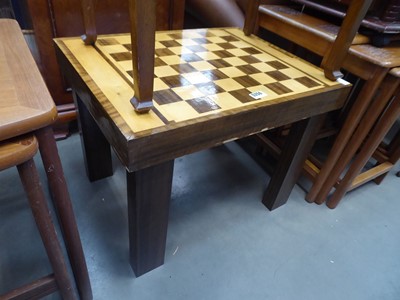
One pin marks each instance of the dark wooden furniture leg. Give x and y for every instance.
(298, 145)
(95, 146)
(89, 22)
(31, 182)
(62, 202)
(149, 193)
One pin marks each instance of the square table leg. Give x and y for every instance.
(95, 146)
(297, 146)
(149, 193)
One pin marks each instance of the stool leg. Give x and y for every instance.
(367, 122)
(40, 210)
(357, 111)
(62, 202)
(379, 132)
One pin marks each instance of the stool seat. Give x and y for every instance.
(16, 151)
(25, 102)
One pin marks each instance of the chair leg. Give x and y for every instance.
(40, 210)
(62, 202)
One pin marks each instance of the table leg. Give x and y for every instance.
(297, 146)
(95, 147)
(149, 193)
(62, 202)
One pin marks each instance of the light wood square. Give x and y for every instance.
(196, 78)
(164, 71)
(262, 78)
(229, 84)
(235, 61)
(188, 92)
(172, 59)
(232, 72)
(159, 85)
(202, 65)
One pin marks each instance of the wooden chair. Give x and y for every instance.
(53, 18)
(27, 107)
(19, 152)
(367, 62)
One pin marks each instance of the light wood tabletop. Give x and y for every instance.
(25, 103)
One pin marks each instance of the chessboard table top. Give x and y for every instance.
(203, 77)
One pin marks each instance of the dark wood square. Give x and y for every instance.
(164, 52)
(158, 62)
(175, 81)
(226, 45)
(247, 69)
(166, 97)
(196, 48)
(250, 59)
(171, 43)
(176, 36)
(277, 75)
(251, 50)
(121, 56)
(277, 65)
(201, 41)
(246, 81)
(107, 42)
(229, 38)
(308, 82)
(214, 74)
(223, 53)
(219, 63)
(278, 88)
(183, 68)
(203, 105)
(190, 57)
(242, 95)
(128, 47)
(210, 88)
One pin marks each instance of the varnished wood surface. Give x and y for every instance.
(269, 14)
(386, 57)
(25, 103)
(16, 151)
(156, 133)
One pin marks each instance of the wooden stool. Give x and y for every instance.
(19, 152)
(26, 106)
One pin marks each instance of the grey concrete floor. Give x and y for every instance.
(222, 242)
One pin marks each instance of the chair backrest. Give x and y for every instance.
(334, 57)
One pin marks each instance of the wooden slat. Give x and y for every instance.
(35, 290)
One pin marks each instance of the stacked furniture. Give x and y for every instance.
(27, 112)
(372, 64)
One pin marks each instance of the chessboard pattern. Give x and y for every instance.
(200, 73)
